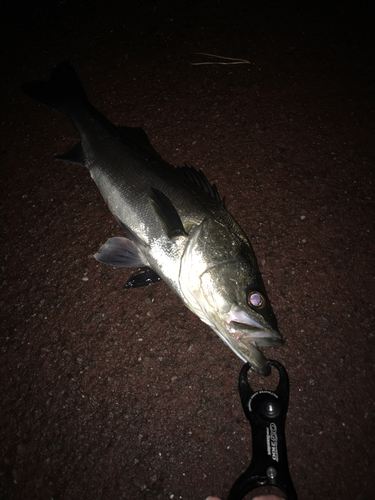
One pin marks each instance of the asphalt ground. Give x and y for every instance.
(113, 394)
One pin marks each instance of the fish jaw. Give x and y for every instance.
(243, 335)
(245, 328)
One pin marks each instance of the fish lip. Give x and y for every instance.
(246, 329)
(258, 336)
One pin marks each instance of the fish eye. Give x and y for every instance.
(256, 299)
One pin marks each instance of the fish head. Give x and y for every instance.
(225, 289)
(235, 302)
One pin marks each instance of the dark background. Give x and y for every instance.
(107, 394)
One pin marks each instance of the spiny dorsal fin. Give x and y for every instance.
(198, 178)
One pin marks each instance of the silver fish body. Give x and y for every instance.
(179, 230)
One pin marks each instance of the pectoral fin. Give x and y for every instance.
(167, 214)
(120, 252)
(137, 240)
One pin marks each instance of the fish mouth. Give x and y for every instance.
(245, 328)
(246, 335)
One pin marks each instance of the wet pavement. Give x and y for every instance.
(113, 394)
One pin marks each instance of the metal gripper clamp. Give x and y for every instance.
(266, 411)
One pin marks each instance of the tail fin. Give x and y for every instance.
(62, 90)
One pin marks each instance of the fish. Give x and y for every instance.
(178, 228)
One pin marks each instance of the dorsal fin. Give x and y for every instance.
(199, 179)
(135, 133)
(136, 138)
(75, 155)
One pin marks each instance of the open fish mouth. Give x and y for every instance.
(256, 334)
(245, 328)
(246, 335)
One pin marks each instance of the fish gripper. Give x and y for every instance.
(266, 411)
